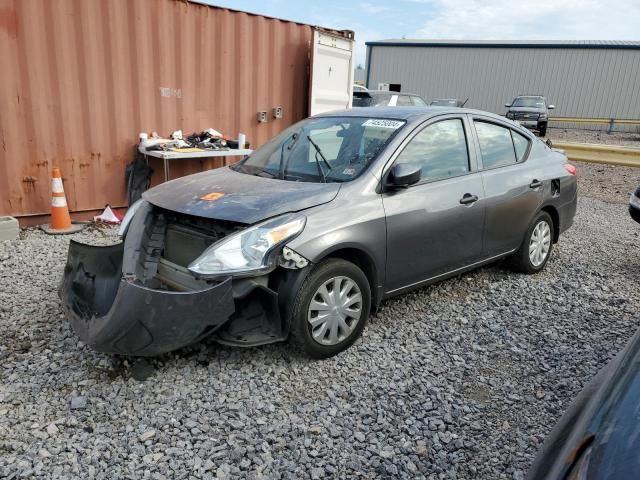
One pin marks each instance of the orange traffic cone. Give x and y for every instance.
(60, 219)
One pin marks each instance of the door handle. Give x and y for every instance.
(468, 199)
(535, 184)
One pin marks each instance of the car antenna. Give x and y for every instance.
(465, 102)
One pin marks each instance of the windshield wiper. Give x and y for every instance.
(319, 152)
(264, 173)
(282, 165)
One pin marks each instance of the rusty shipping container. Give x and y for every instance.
(81, 78)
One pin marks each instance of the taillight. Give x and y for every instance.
(572, 170)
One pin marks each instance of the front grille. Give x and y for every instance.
(187, 236)
(525, 116)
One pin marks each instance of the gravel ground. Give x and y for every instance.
(592, 136)
(605, 182)
(461, 380)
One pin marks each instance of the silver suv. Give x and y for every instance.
(531, 111)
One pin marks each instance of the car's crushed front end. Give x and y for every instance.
(140, 297)
(213, 252)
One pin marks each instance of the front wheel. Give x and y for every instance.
(331, 308)
(536, 248)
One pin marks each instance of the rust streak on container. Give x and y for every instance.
(81, 78)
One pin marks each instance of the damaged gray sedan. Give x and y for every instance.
(304, 237)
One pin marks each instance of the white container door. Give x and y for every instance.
(331, 73)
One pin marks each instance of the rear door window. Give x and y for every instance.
(418, 102)
(496, 145)
(441, 150)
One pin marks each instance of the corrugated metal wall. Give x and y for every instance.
(586, 83)
(81, 78)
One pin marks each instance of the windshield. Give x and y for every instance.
(444, 103)
(331, 149)
(535, 102)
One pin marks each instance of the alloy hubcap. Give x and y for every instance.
(540, 243)
(335, 310)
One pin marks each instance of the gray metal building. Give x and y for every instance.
(583, 79)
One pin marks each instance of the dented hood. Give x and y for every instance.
(245, 198)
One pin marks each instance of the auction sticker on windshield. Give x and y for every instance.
(376, 122)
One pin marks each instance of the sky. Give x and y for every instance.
(459, 19)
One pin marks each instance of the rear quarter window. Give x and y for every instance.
(520, 145)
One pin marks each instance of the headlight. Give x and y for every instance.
(250, 251)
(510, 115)
(634, 201)
(124, 225)
(543, 116)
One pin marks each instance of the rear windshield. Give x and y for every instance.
(329, 149)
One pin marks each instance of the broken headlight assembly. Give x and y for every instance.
(250, 252)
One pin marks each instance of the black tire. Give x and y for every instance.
(543, 130)
(301, 331)
(520, 260)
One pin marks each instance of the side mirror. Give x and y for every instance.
(551, 107)
(507, 105)
(404, 174)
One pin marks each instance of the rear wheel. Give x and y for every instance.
(331, 309)
(536, 248)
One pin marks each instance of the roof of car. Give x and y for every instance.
(406, 113)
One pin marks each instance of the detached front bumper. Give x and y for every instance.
(115, 315)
